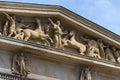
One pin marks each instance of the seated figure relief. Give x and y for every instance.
(93, 49)
(53, 35)
(109, 55)
(116, 52)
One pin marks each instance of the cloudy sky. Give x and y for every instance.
(103, 12)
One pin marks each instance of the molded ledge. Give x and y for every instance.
(49, 52)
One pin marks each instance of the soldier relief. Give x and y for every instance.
(52, 34)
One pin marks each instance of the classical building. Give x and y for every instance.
(43, 42)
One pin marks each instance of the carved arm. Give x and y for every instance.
(51, 21)
(9, 18)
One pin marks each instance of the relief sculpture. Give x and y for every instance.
(57, 33)
(12, 27)
(5, 29)
(73, 43)
(86, 74)
(20, 65)
(116, 53)
(101, 47)
(35, 34)
(19, 30)
(93, 49)
(53, 35)
(109, 55)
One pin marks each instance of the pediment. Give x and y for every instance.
(80, 38)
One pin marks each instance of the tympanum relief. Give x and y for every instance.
(53, 35)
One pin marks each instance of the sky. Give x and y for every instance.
(103, 12)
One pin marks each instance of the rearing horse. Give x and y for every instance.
(36, 34)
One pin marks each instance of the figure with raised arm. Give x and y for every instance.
(12, 30)
(57, 33)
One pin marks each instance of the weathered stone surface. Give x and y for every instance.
(47, 60)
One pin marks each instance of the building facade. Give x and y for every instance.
(43, 42)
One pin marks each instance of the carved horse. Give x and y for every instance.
(35, 34)
(73, 43)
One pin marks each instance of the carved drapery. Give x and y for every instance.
(54, 35)
(20, 65)
(86, 74)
